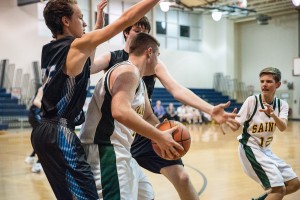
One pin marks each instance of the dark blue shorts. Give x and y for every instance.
(64, 161)
(142, 151)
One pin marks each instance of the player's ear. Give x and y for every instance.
(278, 84)
(65, 21)
(125, 34)
(149, 52)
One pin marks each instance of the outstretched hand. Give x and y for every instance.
(168, 145)
(220, 115)
(230, 123)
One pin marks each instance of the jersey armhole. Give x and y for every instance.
(254, 110)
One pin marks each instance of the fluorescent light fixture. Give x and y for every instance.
(216, 15)
(164, 6)
(296, 2)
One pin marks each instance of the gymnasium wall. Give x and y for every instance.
(239, 50)
(21, 43)
(273, 45)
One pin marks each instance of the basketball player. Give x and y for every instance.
(118, 109)
(141, 148)
(259, 116)
(34, 118)
(66, 71)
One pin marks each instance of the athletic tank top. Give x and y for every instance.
(258, 127)
(63, 96)
(120, 56)
(100, 127)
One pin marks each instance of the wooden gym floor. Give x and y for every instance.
(212, 163)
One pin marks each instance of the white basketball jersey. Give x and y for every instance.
(100, 127)
(258, 127)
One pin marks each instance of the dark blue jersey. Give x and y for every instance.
(63, 95)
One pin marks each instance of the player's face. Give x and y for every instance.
(135, 30)
(268, 84)
(77, 23)
(152, 61)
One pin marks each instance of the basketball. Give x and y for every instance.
(180, 135)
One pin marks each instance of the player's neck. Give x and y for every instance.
(126, 47)
(139, 62)
(268, 99)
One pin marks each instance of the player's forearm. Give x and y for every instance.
(152, 119)
(89, 41)
(280, 123)
(99, 24)
(134, 122)
(100, 20)
(37, 103)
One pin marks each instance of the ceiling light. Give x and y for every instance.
(296, 2)
(164, 6)
(216, 15)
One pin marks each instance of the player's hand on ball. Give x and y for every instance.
(179, 133)
(168, 145)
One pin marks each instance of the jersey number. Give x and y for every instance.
(267, 141)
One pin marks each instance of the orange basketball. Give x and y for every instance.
(180, 135)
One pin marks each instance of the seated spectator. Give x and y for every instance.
(159, 111)
(206, 118)
(197, 118)
(171, 112)
(184, 114)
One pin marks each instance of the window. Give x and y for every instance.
(161, 28)
(179, 30)
(184, 31)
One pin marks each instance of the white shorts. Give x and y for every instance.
(117, 177)
(263, 166)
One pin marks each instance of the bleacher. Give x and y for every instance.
(12, 114)
(210, 95)
(16, 90)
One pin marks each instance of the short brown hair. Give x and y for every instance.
(54, 11)
(143, 22)
(271, 70)
(141, 42)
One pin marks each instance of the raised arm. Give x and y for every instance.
(100, 15)
(98, 25)
(179, 92)
(83, 47)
